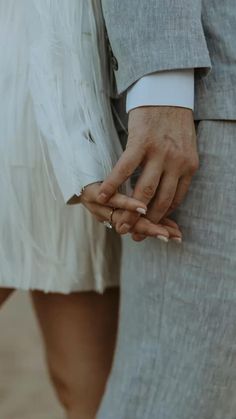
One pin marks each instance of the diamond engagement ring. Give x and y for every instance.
(108, 224)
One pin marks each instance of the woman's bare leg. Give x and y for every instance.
(79, 332)
(5, 294)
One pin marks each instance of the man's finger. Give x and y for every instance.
(181, 191)
(147, 184)
(124, 168)
(102, 213)
(127, 203)
(164, 198)
(145, 189)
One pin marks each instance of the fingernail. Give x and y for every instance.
(125, 228)
(102, 198)
(163, 238)
(142, 211)
(177, 239)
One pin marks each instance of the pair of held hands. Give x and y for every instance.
(162, 141)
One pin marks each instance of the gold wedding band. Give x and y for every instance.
(111, 216)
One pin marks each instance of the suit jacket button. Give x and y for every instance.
(114, 63)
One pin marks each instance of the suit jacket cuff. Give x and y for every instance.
(155, 36)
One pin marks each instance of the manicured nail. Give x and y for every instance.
(125, 228)
(177, 239)
(102, 198)
(163, 238)
(142, 211)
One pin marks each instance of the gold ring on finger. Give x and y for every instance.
(109, 223)
(111, 216)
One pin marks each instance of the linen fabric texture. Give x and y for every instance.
(175, 355)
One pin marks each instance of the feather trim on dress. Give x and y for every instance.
(54, 90)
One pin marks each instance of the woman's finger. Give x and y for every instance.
(173, 229)
(118, 200)
(145, 227)
(127, 203)
(169, 222)
(174, 233)
(101, 212)
(142, 228)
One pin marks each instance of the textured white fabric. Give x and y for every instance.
(50, 100)
(69, 86)
(164, 88)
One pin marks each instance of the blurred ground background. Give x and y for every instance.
(25, 391)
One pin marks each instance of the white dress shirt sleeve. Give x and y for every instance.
(165, 88)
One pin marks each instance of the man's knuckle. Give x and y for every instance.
(143, 137)
(125, 171)
(193, 165)
(148, 191)
(109, 187)
(181, 164)
(185, 164)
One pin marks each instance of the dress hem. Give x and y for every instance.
(60, 291)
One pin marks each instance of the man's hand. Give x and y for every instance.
(162, 141)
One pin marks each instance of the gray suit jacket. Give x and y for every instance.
(155, 35)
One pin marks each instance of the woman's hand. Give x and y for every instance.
(165, 230)
(118, 200)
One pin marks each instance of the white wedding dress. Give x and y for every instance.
(48, 104)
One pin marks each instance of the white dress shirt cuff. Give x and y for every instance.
(165, 88)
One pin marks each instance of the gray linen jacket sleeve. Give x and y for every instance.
(154, 35)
